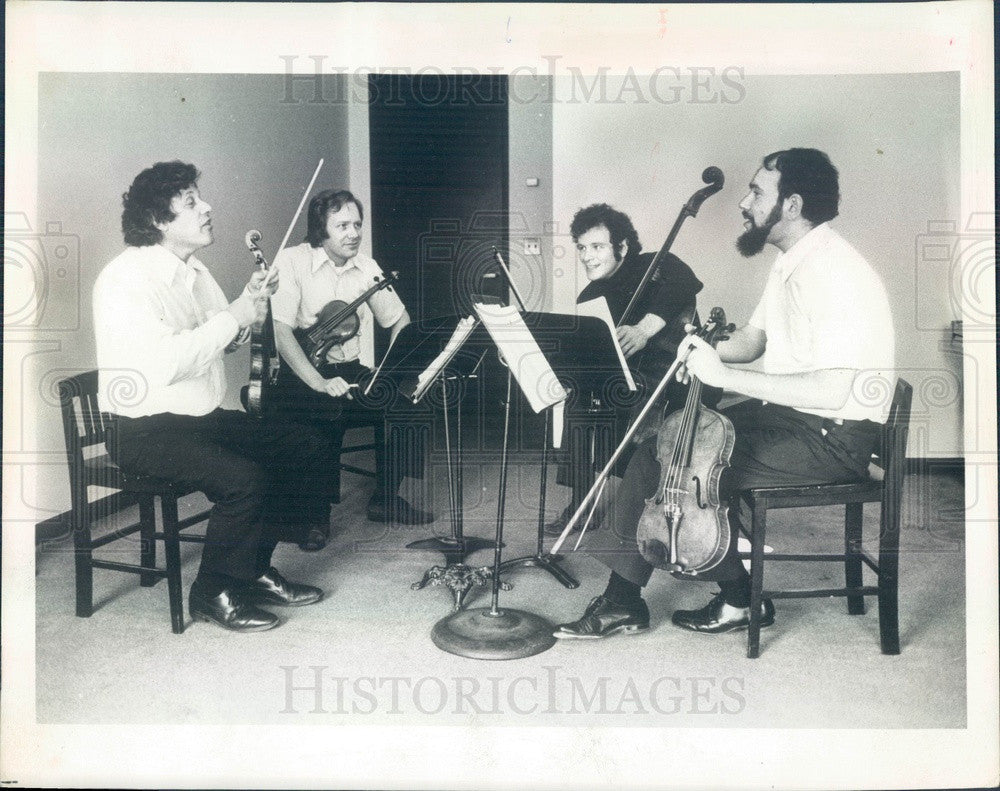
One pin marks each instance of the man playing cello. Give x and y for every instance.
(609, 250)
(822, 326)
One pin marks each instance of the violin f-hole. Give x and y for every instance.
(697, 492)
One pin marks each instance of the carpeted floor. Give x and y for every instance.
(364, 655)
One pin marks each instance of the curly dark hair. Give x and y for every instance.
(619, 226)
(808, 173)
(147, 201)
(321, 207)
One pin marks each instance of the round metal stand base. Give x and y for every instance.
(477, 634)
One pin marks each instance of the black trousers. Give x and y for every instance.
(775, 446)
(259, 475)
(591, 436)
(297, 401)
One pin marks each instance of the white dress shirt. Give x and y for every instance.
(310, 280)
(162, 328)
(825, 307)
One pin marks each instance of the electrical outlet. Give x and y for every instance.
(532, 246)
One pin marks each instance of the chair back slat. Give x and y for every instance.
(894, 436)
(83, 422)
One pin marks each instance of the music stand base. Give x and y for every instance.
(548, 562)
(454, 550)
(479, 634)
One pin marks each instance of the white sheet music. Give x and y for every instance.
(599, 309)
(532, 371)
(462, 330)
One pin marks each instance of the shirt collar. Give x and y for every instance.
(318, 257)
(787, 262)
(166, 265)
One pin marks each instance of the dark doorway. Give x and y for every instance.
(439, 191)
(439, 186)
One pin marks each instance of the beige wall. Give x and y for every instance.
(256, 153)
(894, 138)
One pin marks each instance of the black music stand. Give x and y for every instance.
(414, 349)
(581, 351)
(491, 632)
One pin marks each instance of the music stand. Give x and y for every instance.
(414, 349)
(581, 350)
(492, 633)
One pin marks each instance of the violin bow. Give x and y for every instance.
(598, 486)
(295, 219)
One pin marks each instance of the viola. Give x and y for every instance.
(684, 527)
(337, 322)
(264, 360)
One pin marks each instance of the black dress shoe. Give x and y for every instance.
(398, 511)
(717, 617)
(603, 618)
(272, 588)
(230, 610)
(315, 539)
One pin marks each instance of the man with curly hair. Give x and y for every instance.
(608, 248)
(161, 320)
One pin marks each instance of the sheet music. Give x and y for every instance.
(462, 331)
(598, 308)
(532, 371)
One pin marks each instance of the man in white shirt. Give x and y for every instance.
(328, 266)
(823, 333)
(162, 326)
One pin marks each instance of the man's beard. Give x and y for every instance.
(752, 240)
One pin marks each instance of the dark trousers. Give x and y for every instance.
(775, 446)
(297, 401)
(591, 435)
(259, 475)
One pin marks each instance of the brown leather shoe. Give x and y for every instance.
(231, 611)
(272, 588)
(603, 618)
(717, 617)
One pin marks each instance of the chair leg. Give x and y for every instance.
(172, 551)
(83, 556)
(888, 586)
(147, 544)
(852, 563)
(758, 529)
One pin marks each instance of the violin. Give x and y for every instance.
(684, 528)
(337, 322)
(264, 360)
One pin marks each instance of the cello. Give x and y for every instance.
(684, 527)
(663, 345)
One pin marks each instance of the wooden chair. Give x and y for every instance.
(377, 422)
(887, 491)
(85, 429)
